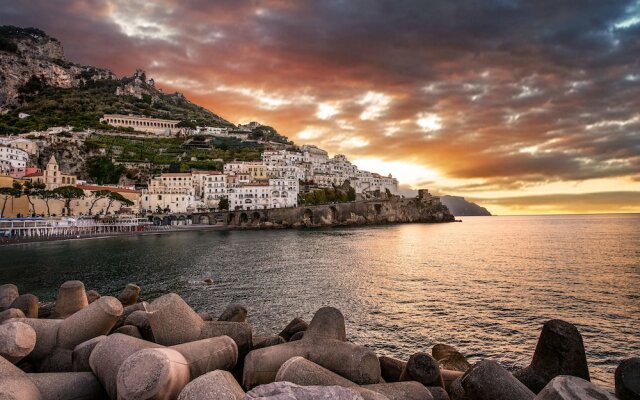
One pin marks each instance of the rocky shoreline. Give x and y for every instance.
(87, 346)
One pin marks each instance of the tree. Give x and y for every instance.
(97, 195)
(104, 171)
(47, 196)
(223, 204)
(115, 196)
(6, 192)
(32, 189)
(68, 193)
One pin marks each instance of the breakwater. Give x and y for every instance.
(84, 346)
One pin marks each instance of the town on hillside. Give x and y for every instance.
(283, 177)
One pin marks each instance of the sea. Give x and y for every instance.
(485, 285)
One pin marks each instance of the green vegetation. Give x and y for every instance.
(334, 195)
(6, 192)
(83, 106)
(268, 134)
(68, 193)
(172, 151)
(103, 171)
(223, 204)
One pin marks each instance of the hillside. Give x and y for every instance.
(461, 207)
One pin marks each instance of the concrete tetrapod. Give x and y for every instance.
(71, 298)
(68, 386)
(449, 358)
(296, 325)
(108, 355)
(323, 343)
(129, 295)
(173, 322)
(14, 384)
(488, 380)
(8, 293)
(17, 340)
(410, 390)
(567, 387)
(56, 339)
(218, 384)
(291, 391)
(560, 351)
(10, 313)
(391, 368)
(627, 378)
(422, 368)
(82, 352)
(234, 313)
(303, 372)
(28, 304)
(260, 342)
(173, 367)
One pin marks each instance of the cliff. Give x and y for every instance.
(461, 207)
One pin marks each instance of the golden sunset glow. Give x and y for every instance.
(522, 108)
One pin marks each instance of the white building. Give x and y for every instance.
(16, 142)
(13, 161)
(157, 126)
(250, 196)
(209, 188)
(172, 191)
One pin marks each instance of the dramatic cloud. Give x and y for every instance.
(498, 98)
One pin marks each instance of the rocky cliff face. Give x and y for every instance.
(459, 206)
(29, 53)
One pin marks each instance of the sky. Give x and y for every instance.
(526, 107)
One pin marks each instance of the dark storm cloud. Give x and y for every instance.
(524, 92)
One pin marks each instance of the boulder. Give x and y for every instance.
(10, 313)
(449, 358)
(488, 380)
(627, 379)
(391, 368)
(559, 351)
(290, 391)
(566, 387)
(28, 304)
(296, 325)
(68, 386)
(17, 340)
(234, 313)
(71, 298)
(219, 385)
(449, 376)
(422, 368)
(456, 391)
(8, 293)
(325, 348)
(129, 295)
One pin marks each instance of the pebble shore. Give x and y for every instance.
(88, 346)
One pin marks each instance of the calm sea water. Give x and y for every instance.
(485, 285)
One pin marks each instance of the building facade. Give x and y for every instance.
(13, 161)
(156, 126)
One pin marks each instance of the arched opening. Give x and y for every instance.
(333, 214)
(255, 217)
(157, 221)
(182, 220)
(166, 220)
(378, 208)
(243, 219)
(204, 220)
(307, 217)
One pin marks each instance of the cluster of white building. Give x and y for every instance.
(273, 182)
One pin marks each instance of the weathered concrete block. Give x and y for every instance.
(17, 340)
(173, 321)
(560, 351)
(129, 295)
(71, 298)
(14, 384)
(234, 313)
(219, 385)
(10, 313)
(28, 304)
(290, 391)
(449, 376)
(140, 319)
(627, 378)
(438, 393)
(391, 368)
(108, 355)
(296, 325)
(327, 349)
(240, 332)
(456, 391)
(488, 380)
(422, 368)
(8, 293)
(59, 360)
(91, 321)
(92, 295)
(128, 310)
(297, 336)
(68, 386)
(566, 387)
(410, 390)
(260, 342)
(449, 358)
(156, 373)
(205, 316)
(209, 354)
(129, 330)
(82, 352)
(46, 337)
